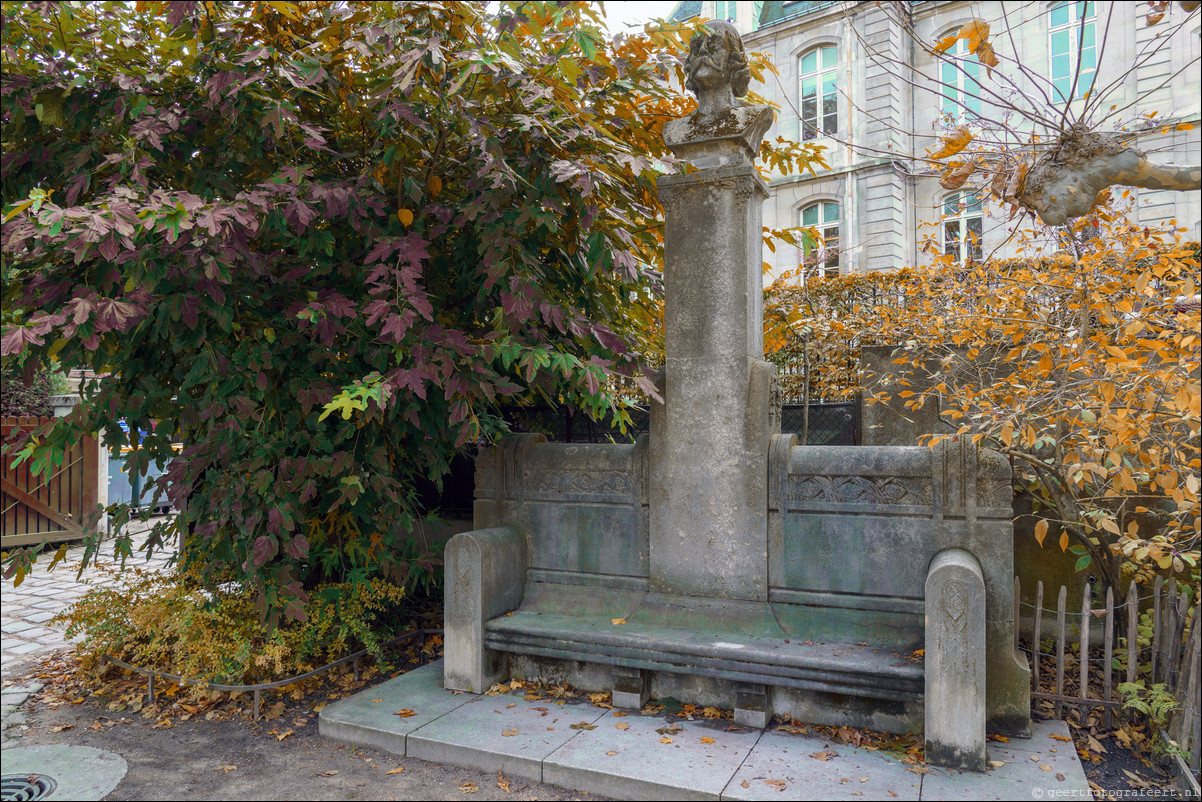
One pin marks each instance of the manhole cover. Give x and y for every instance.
(26, 787)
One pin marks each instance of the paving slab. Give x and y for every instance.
(474, 734)
(370, 718)
(77, 772)
(633, 763)
(1040, 768)
(637, 757)
(788, 766)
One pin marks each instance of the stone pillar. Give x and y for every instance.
(485, 577)
(955, 662)
(708, 513)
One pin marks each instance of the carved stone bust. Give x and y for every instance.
(723, 131)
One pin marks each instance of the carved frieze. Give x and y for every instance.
(860, 489)
(600, 482)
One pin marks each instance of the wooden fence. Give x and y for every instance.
(51, 506)
(1171, 654)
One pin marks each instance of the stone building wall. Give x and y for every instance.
(886, 207)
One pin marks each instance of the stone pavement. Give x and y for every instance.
(26, 631)
(587, 748)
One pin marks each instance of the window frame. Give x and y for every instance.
(826, 260)
(825, 121)
(955, 104)
(969, 245)
(1080, 24)
(729, 5)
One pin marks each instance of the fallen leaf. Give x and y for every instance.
(665, 740)
(617, 713)
(376, 701)
(779, 785)
(62, 728)
(327, 773)
(706, 740)
(1064, 738)
(226, 769)
(823, 755)
(1001, 738)
(617, 622)
(397, 770)
(1045, 768)
(584, 725)
(611, 753)
(404, 713)
(510, 732)
(1060, 776)
(622, 725)
(511, 704)
(502, 783)
(997, 764)
(469, 788)
(1094, 744)
(745, 784)
(283, 735)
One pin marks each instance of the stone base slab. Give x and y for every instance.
(748, 764)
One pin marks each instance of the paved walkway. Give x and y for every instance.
(26, 631)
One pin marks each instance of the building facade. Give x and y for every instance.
(856, 78)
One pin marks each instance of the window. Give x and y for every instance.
(823, 261)
(962, 226)
(819, 104)
(961, 92)
(727, 10)
(1071, 43)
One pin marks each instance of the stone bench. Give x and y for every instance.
(852, 536)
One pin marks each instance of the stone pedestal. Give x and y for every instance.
(485, 577)
(955, 662)
(709, 442)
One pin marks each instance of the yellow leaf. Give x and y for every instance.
(665, 740)
(283, 735)
(404, 713)
(951, 145)
(947, 43)
(1184, 126)
(1064, 738)
(974, 33)
(1041, 531)
(434, 185)
(706, 740)
(1064, 541)
(397, 770)
(510, 732)
(405, 216)
(617, 622)
(622, 725)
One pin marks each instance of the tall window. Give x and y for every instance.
(819, 100)
(1071, 43)
(962, 226)
(961, 92)
(824, 260)
(727, 10)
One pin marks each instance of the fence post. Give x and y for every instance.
(1061, 602)
(1083, 691)
(1157, 588)
(1108, 655)
(1036, 644)
(1132, 631)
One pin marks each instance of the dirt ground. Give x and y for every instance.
(239, 759)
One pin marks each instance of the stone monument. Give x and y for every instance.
(716, 560)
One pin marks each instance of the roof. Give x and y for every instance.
(686, 9)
